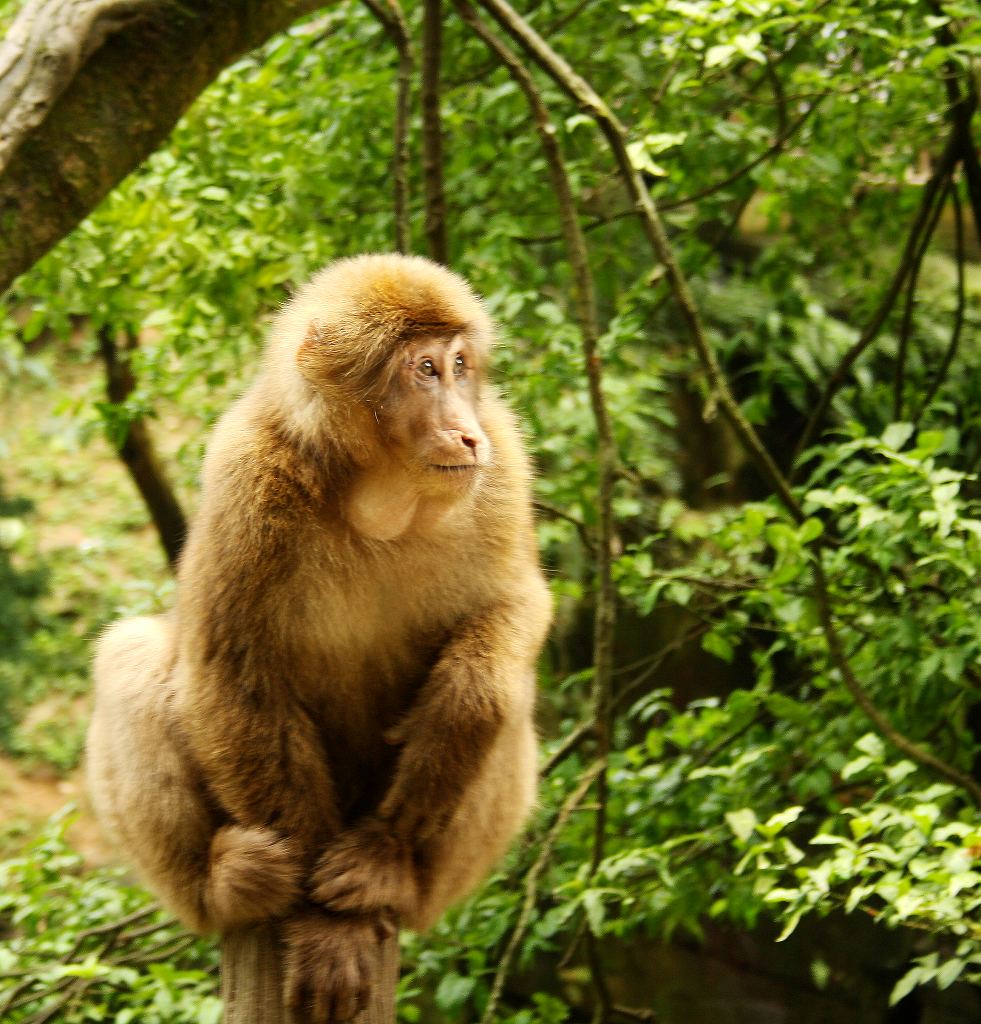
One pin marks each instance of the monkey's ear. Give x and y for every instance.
(309, 356)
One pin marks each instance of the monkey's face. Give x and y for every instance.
(430, 417)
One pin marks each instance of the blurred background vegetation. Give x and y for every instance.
(786, 763)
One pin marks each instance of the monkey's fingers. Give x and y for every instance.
(362, 874)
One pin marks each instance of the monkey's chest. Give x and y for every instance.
(371, 641)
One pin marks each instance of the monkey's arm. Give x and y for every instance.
(259, 750)
(262, 758)
(482, 684)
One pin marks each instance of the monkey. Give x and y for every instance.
(333, 728)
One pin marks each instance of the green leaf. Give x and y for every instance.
(453, 991)
(592, 901)
(905, 985)
(719, 645)
(896, 435)
(949, 972)
(742, 822)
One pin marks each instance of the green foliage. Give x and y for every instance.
(19, 590)
(88, 948)
(781, 139)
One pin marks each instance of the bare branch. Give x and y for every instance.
(906, 325)
(961, 112)
(571, 802)
(553, 512)
(432, 131)
(774, 149)
(943, 167)
(138, 452)
(955, 333)
(392, 18)
(584, 299)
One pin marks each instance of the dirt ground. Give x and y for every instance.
(28, 798)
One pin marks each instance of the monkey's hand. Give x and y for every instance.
(369, 868)
(253, 875)
(328, 960)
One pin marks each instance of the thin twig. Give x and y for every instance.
(583, 731)
(955, 333)
(389, 13)
(906, 325)
(840, 660)
(554, 512)
(774, 149)
(587, 728)
(635, 1013)
(531, 887)
(432, 131)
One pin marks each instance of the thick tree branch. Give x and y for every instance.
(90, 88)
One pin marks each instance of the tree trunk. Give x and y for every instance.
(252, 980)
(138, 452)
(89, 88)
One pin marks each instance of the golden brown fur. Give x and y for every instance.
(337, 719)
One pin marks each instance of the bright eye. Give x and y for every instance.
(427, 368)
(459, 365)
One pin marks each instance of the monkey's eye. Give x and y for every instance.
(459, 365)
(427, 368)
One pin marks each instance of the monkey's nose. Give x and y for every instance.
(470, 442)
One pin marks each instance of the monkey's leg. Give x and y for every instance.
(149, 797)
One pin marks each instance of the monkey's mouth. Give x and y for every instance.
(466, 467)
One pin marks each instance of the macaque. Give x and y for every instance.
(334, 725)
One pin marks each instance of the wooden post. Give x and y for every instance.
(252, 980)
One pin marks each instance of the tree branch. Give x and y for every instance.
(80, 109)
(587, 320)
(571, 802)
(961, 112)
(840, 660)
(432, 131)
(392, 18)
(955, 332)
(137, 449)
(944, 166)
(593, 105)
(906, 325)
